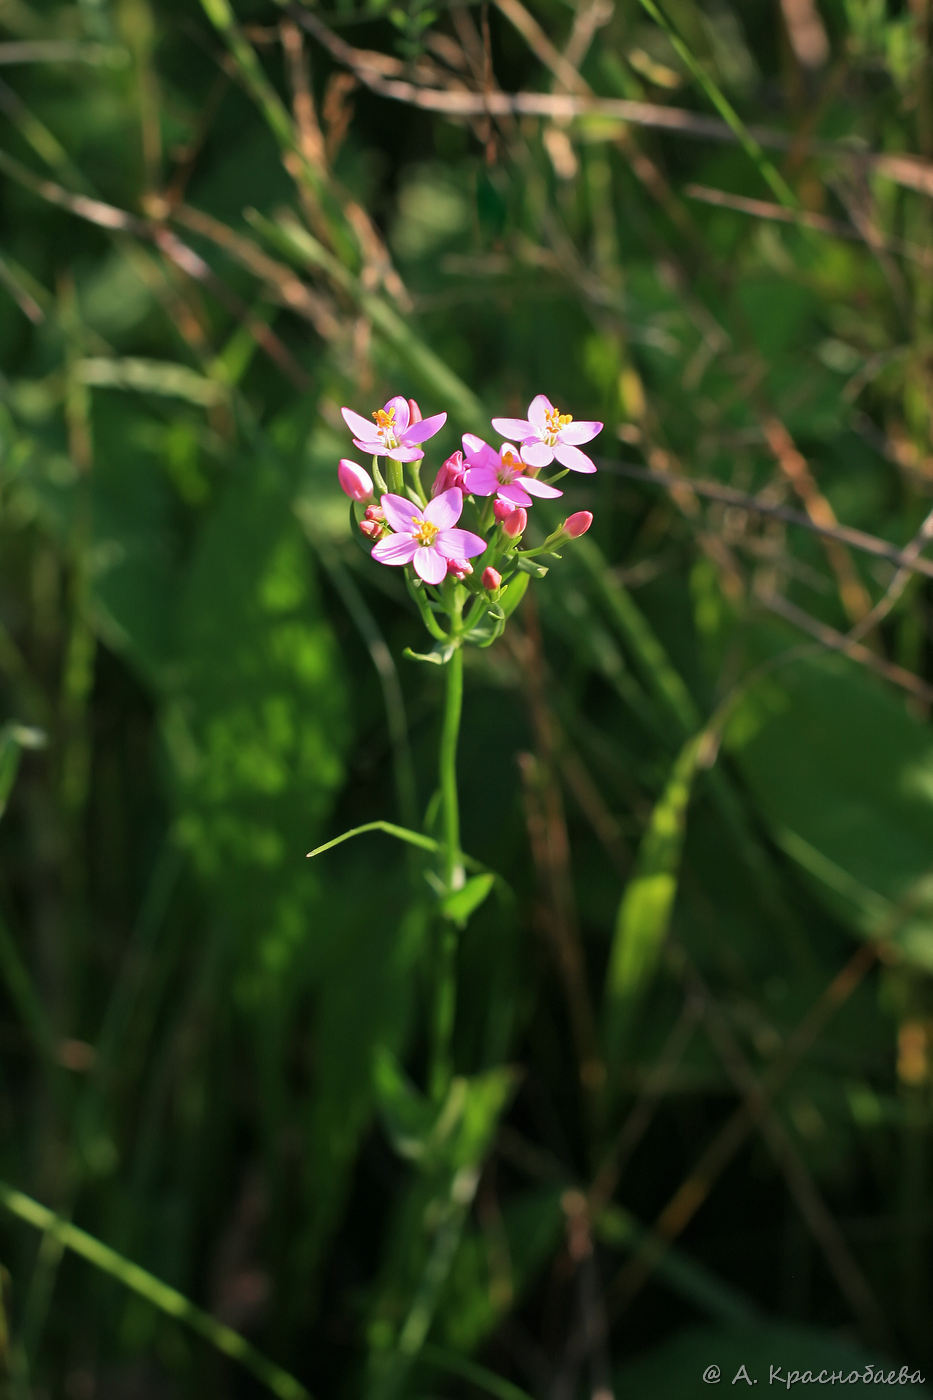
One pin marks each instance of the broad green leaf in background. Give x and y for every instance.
(842, 773)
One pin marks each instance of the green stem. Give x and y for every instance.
(446, 992)
(447, 768)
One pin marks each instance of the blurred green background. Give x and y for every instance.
(692, 1120)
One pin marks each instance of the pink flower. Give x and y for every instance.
(393, 434)
(501, 473)
(577, 524)
(425, 535)
(354, 480)
(516, 523)
(459, 568)
(502, 510)
(492, 579)
(450, 474)
(547, 433)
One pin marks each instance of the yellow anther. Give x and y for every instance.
(423, 531)
(384, 418)
(556, 420)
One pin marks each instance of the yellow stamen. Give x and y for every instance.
(384, 418)
(556, 420)
(423, 531)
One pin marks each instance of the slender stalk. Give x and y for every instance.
(447, 770)
(445, 1000)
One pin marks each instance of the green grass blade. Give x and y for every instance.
(166, 1299)
(766, 168)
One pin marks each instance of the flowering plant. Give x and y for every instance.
(462, 550)
(469, 578)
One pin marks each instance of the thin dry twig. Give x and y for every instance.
(909, 171)
(728, 495)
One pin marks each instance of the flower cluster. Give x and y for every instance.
(486, 566)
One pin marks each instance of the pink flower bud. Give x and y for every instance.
(492, 579)
(415, 414)
(372, 529)
(516, 523)
(578, 523)
(450, 474)
(357, 483)
(502, 510)
(459, 568)
(374, 513)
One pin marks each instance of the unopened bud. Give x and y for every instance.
(357, 483)
(578, 523)
(450, 474)
(459, 568)
(414, 412)
(374, 513)
(492, 579)
(502, 510)
(516, 523)
(372, 529)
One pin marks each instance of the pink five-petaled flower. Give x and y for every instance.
(502, 474)
(393, 433)
(547, 433)
(425, 535)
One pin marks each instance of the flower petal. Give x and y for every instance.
(363, 427)
(536, 454)
(403, 453)
(573, 458)
(445, 509)
(513, 493)
(371, 446)
(402, 414)
(478, 453)
(430, 564)
(400, 512)
(579, 432)
(536, 411)
(459, 544)
(534, 487)
(395, 549)
(516, 428)
(481, 481)
(420, 432)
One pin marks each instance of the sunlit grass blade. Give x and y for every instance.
(166, 1299)
(766, 168)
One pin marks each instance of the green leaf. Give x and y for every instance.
(644, 913)
(513, 593)
(13, 739)
(407, 1115)
(843, 776)
(439, 655)
(459, 905)
(528, 566)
